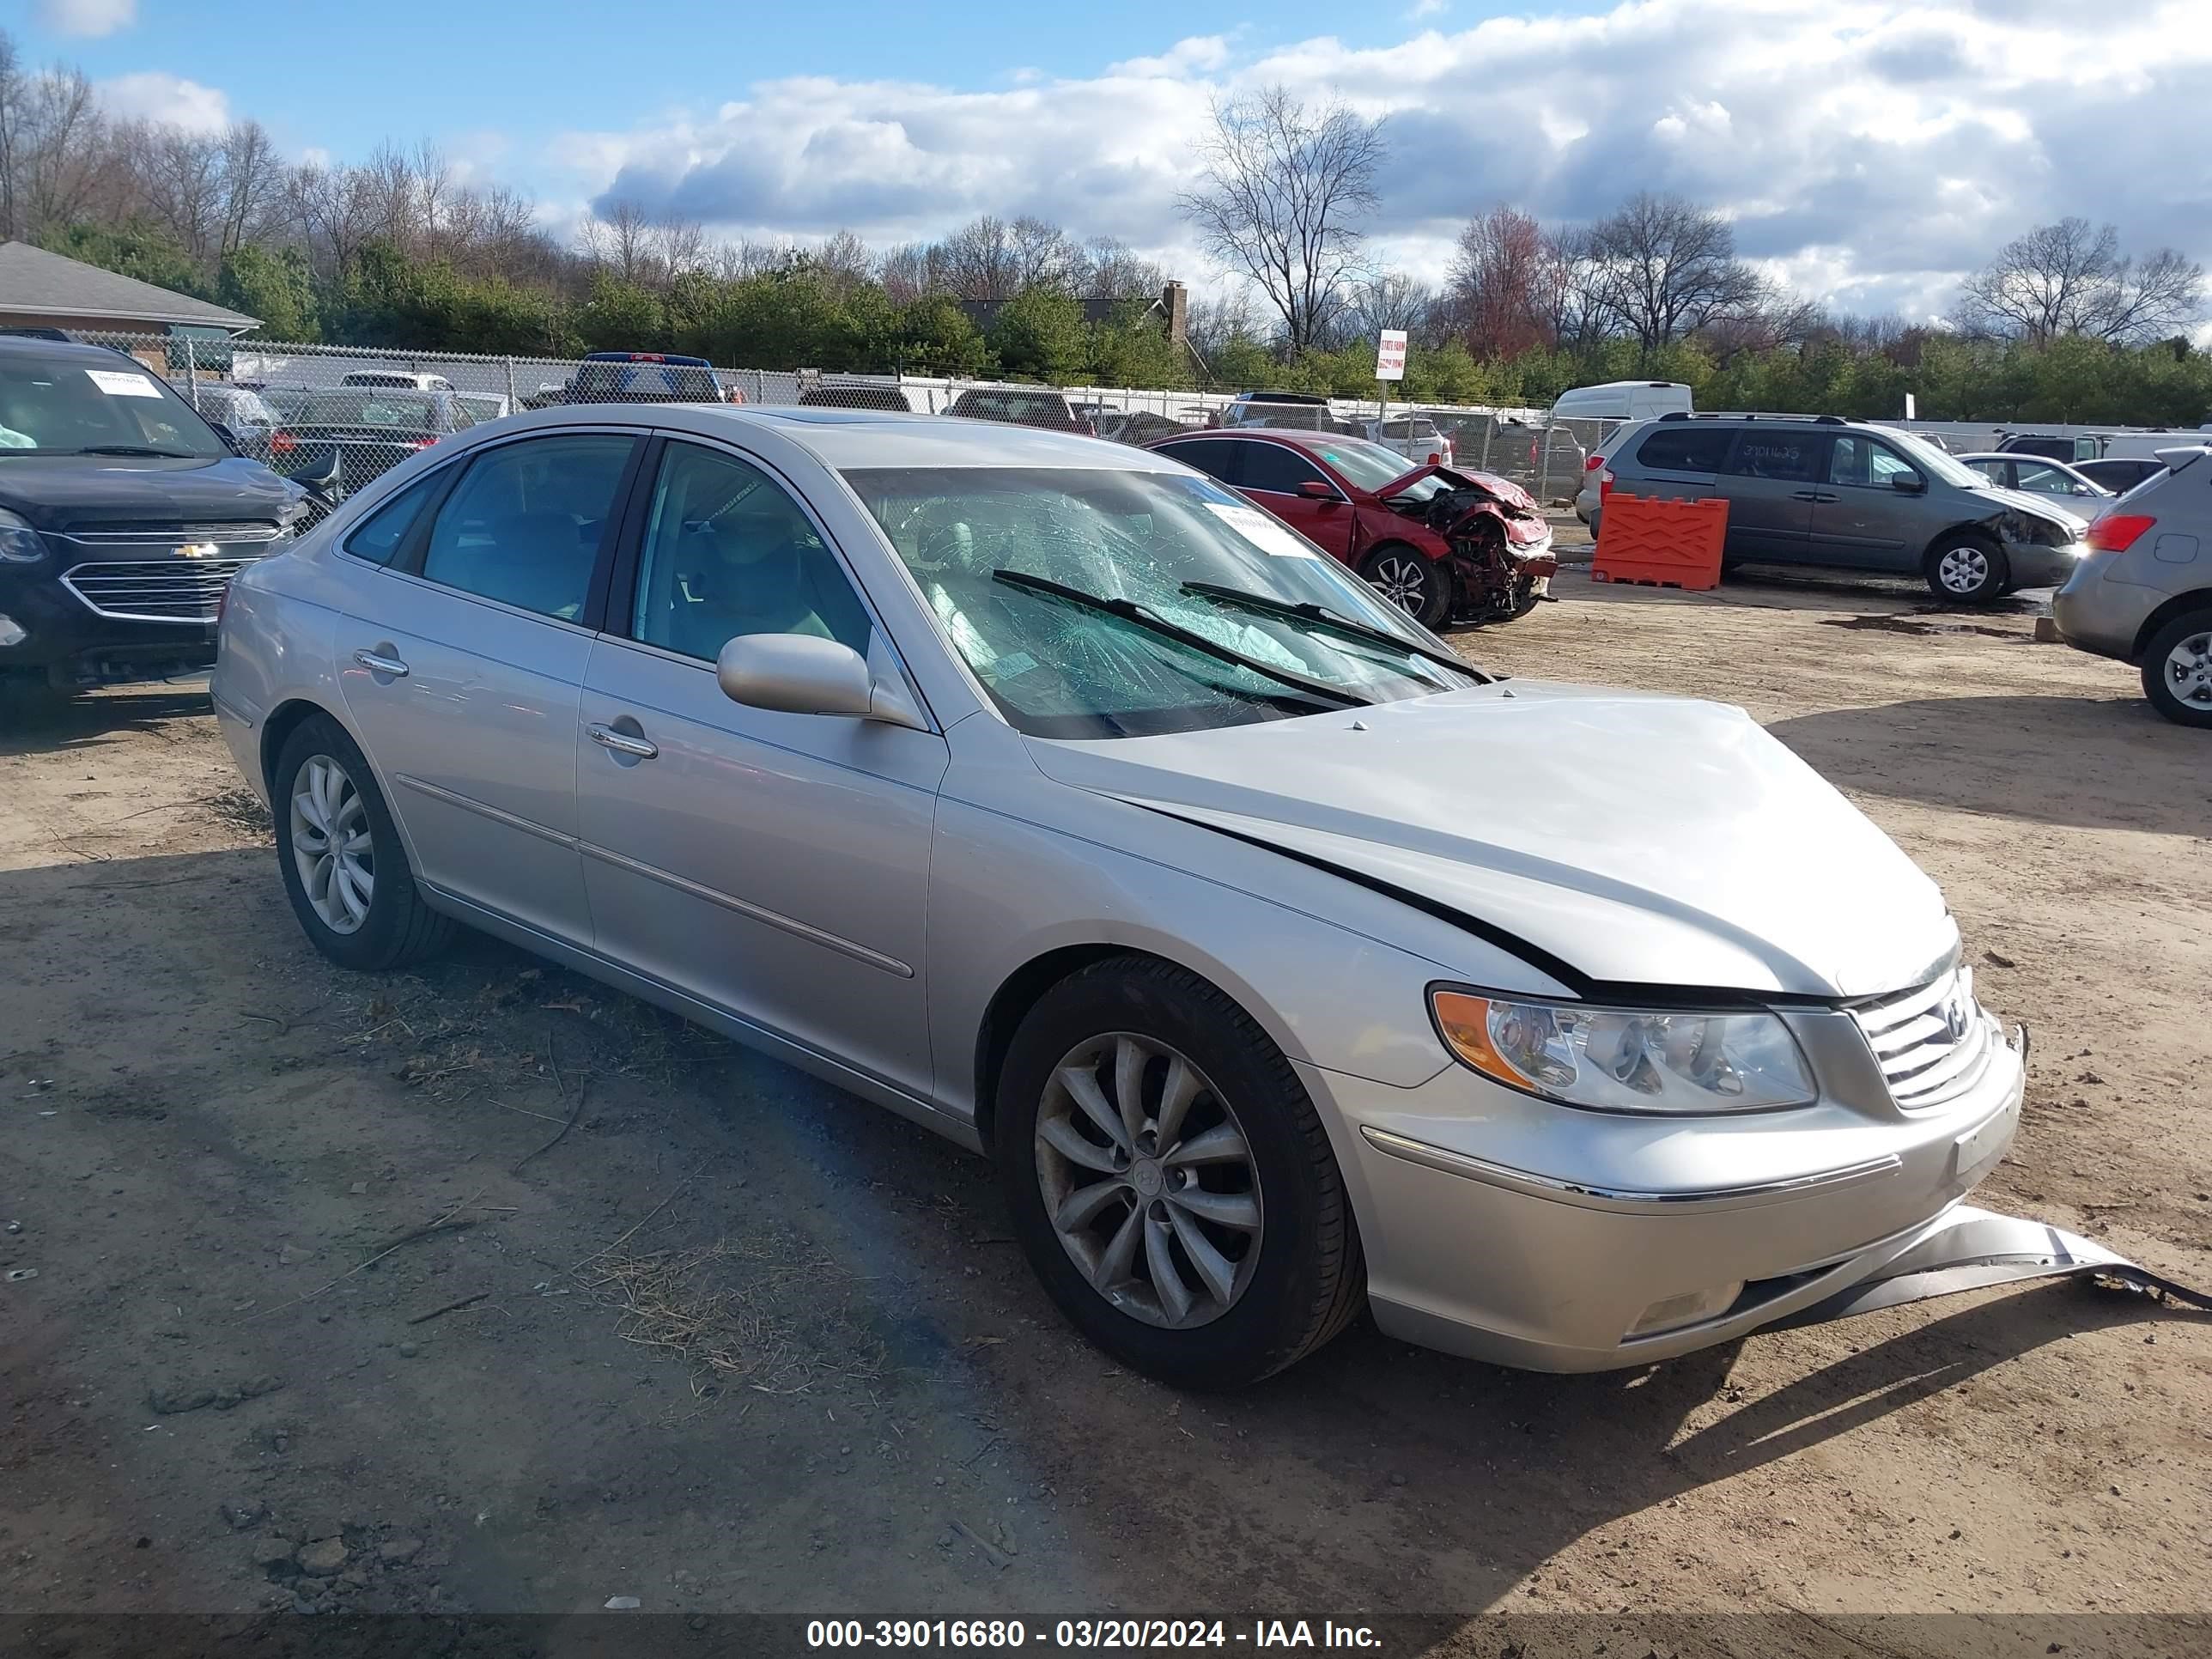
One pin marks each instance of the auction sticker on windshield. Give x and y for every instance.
(118, 384)
(1262, 531)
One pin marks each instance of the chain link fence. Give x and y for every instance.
(298, 407)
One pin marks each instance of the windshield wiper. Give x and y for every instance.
(137, 449)
(1315, 615)
(1129, 611)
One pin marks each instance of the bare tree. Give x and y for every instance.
(338, 210)
(844, 261)
(1279, 196)
(1109, 269)
(2070, 278)
(65, 156)
(1504, 284)
(1388, 298)
(905, 272)
(1668, 269)
(677, 245)
(1044, 255)
(977, 262)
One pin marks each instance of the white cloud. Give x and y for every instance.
(89, 17)
(1871, 150)
(157, 95)
(1421, 8)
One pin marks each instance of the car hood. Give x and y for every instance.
(75, 492)
(2040, 507)
(1507, 492)
(1631, 839)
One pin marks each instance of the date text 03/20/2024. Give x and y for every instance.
(1103, 1633)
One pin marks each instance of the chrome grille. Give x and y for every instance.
(1933, 1042)
(154, 590)
(171, 535)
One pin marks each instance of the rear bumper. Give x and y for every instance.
(1551, 1270)
(2100, 616)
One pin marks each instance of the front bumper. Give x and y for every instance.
(67, 642)
(2037, 564)
(1509, 1231)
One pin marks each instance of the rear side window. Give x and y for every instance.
(1790, 457)
(1685, 448)
(1218, 457)
(380, 536)
(524, 526)
(1277, 469)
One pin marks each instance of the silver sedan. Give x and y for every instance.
(1044, 791)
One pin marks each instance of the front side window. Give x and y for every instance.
(102, 403)
(524, 526)
(727, 552)
(1860, 460)
(1149, 543)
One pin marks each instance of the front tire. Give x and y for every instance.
(1966, 569)
(1416, 584)
(2177, 670)
(339, 854)
(1170, 1180)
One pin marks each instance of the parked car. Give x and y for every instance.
(1622, 400)
(647, 376)
(1035, 788)
(238, 410)
(2120, 473)
(2040, 476)
(1040, 407)
(1589, 494)
(2143, 594)
(856, 394)
(1415, 436)
(368, 429)
(1848, 494)
(1290, 411)
(1437, 542)
(122, 516)
(1141, 427)
(403, 378)
(484, 405)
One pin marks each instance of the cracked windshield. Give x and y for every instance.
(1102, 604)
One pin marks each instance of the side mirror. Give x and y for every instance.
(229, 438)
(1908, 483)
(796, 674)
(1314, 490)
(319, 478)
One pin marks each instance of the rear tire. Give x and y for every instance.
(338, 852)
(1208, 1244)
(1964, 568)
(1408, 578)
(2177, 670)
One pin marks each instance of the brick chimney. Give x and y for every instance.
(1174, 302)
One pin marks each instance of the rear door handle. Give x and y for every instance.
(377, 663)
(622, 743)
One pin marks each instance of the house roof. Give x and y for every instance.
(51, 285)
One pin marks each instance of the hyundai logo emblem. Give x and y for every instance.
(1955, 1018)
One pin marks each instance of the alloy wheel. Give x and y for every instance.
(331, 845)
(1400, 579)
(2189, 670)
(1148, 1181)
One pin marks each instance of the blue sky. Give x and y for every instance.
(1869, 152)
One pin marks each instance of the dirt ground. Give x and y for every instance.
(484, 1289)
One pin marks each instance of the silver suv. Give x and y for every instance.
(1821, 490)
(2144, 594)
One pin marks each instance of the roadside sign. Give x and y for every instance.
(1908, 406)
(1390, 355)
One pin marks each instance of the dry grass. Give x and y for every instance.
(768, 1314)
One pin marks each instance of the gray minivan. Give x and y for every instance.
(1822, 490)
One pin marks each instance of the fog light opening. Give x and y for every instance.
(11, 631)
(1674, 1312)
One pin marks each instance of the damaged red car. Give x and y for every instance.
(1442, 543)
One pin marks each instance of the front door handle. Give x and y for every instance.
(622, 743)
(1813, 495)
(377, 663)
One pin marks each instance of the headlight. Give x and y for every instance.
(19, 543)
(1627, 1060)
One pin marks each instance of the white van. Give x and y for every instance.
(1622, 400)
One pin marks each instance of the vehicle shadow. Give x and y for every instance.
(40, 724)
(2102, 764)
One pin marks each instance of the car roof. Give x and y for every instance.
(31, 345)
(839, 438)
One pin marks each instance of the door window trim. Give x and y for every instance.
(407, 561)
(617, 597)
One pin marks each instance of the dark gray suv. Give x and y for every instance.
(1821, 490)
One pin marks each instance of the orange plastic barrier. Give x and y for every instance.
(1663, 544)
